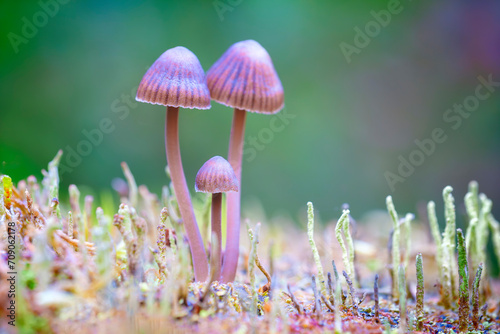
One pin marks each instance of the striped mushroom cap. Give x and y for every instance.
(175, 79)
(245, 78)
(216, 176)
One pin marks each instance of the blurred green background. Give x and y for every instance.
(67, 65)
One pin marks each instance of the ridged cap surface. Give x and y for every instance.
(216, 176)
(175, 79)
(245, 78)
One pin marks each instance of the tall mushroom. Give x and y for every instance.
(216, 176)
(243, 78)
(176, 79)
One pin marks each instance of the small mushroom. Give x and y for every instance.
(243, 78)
(176, 79)
(216, 176)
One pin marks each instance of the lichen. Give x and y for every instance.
(94, 269)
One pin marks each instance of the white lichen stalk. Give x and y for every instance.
(395, 247)
(495, 230)
(317, 259)
(479, 210)
(350, 245)
(407, 224)
(347, 254)
(253, 234)
(436, 234)
(50, 182)
(450, 245)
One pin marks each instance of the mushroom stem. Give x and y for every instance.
(235, 156)
(200, 262)
(217, 230)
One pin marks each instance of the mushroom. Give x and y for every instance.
(243, 78)
(216, 176)
(176, 79)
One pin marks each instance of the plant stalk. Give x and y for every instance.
(200, 262)
(234, 157)
(216, 256)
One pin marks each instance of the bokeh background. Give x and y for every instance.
(350, 118)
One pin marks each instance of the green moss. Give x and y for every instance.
(94, 276)
(420, 292)
(463, 292)
(402, 299)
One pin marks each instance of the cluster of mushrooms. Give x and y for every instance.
(244, 78)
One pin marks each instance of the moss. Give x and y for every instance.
(99, 276)
(402, 299)
(420, 292)
(463, 286)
